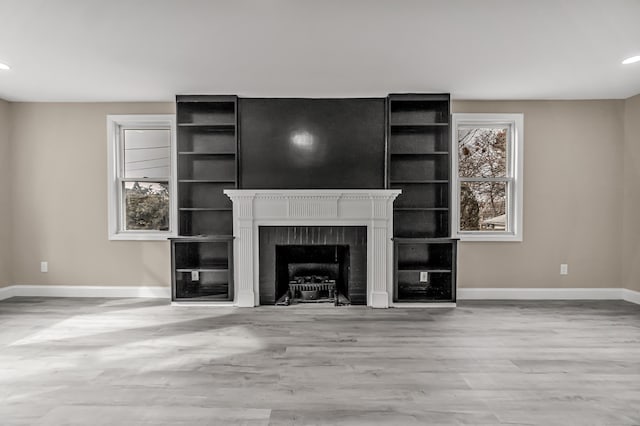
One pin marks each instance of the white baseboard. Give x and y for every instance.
(548, 294)
(631, 296)
(6, 292)
(84, 291)
(463, 293)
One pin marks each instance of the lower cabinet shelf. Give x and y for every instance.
(202, 268)
(437, 288)
(424, 270)
(209, 285)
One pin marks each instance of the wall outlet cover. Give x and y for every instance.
(44, 266)
(195, 276)
(424, 276)
(564, 269)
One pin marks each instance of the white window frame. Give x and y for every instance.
(115, 125)
(515, 123)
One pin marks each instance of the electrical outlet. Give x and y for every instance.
(44, 266)
(424, 276)
(195, 275)
(564, 269)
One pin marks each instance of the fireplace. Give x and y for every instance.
(308, 253)
(361, 219)
(312, 274)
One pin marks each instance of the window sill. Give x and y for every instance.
(141, 236)
(505, 238)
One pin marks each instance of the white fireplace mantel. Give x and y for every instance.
(372, 208)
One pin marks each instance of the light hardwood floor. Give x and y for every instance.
(143, 362)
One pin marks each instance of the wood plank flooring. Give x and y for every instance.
(143, 362)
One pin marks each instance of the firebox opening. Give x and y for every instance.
(312, 273)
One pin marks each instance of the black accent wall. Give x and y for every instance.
(295, 143)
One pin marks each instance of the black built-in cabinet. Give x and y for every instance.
(207, 148)
(418, 163)
(202, 268)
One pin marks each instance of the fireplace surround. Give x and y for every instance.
(370, 208)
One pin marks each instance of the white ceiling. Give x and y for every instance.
(151, 50)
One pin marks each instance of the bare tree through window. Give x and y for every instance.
(482, 171)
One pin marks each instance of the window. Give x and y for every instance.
(142, 185)
(487, 177)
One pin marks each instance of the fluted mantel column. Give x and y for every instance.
(243, 250)
(356, 207)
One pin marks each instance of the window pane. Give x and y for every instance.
(483, 206)
(482, 152)
(146, 206)
(146, 153)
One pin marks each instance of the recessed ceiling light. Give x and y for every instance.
(4, 67)
(631, 60)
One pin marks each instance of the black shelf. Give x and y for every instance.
(444, 240)
(418, 125)
(205, 99)
(203, 299)
(207, 165)
(205, 268)
(418, 161)
(226, 126)
(215, 113)
(205, 209)
(419, 181)
(206, 222)
(206, 181)
(205, 153)
(420, 153)
(420, 223)
(410, 209)
(203, 238)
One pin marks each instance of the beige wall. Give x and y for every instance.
(59, 156)
(5, 203)
(631, 195)
(573, 169)
(573, 154)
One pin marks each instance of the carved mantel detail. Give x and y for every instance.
(372, 208)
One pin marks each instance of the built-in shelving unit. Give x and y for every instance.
(424, 270)
(207, 163)
(418, 135)
(202, 269)
(418, 162)
(207, 151)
